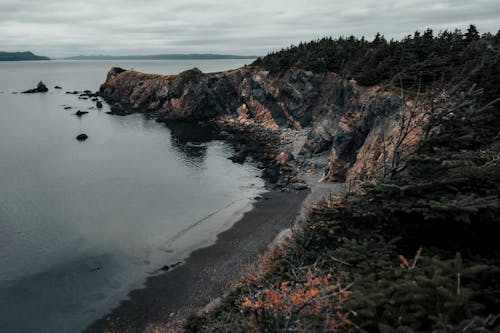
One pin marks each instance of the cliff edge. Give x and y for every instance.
(352, 132)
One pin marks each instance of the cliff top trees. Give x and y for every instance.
(423, 60)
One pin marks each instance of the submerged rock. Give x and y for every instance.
(40, 88)
(82, 137)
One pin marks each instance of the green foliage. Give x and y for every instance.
(442, 211)
(416, 62)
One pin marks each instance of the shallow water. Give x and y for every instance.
(81, 224)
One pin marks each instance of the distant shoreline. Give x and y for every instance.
(21, 56)
(194, 56)
(29, 56)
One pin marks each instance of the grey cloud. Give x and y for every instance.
(60, 28)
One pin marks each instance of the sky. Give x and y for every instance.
(59, 28)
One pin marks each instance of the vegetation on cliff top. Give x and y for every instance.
(423, 60)
(413, 252)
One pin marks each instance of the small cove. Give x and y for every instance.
(83, 223)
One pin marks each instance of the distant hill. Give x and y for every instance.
(20, 56)
(196, 56)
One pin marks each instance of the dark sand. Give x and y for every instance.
(208, 272)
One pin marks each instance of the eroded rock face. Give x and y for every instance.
(345, 121)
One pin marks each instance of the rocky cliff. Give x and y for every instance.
(352, 131)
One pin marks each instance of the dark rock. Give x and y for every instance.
(176, 264)
(80, 113)
(165, 268)
(299, 186)
(57, 87)
(40, 88)
(67, 107)
(271, 174)
(82, 137)
(238, 157)
(98, 105)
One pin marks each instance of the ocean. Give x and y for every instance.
(84, 223)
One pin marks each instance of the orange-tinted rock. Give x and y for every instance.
(283, 158)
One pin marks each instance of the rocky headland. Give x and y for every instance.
(319, 123)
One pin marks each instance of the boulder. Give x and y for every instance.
(238, 157)
(40, 88)
(98, 105)
(271, 174)
(80, 113)
(284, 157)
(299, 186)
(82, 137)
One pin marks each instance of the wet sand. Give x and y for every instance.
(208, 272)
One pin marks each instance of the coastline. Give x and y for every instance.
(208, 272)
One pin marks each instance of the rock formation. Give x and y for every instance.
(40, 88)
(82, 137)
(351, 129)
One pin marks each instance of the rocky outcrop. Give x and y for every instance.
(82, 137)
(40, 88)
(349, 126)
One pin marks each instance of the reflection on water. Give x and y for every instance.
(189, 140)
(81, 224)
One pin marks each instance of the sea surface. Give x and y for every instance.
(84, 223)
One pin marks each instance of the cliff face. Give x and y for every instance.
(350, 128)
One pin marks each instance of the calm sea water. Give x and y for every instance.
(81, 224)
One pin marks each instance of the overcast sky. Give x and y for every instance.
(66, 27)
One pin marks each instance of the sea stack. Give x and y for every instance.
(40, 88)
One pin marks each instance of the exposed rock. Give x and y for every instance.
(238, 157)
(82, 137)
(299, 186)
(284, 157)
(98, 105)
(344, 121)
(271, 174)
(40, 88)
(58, 87)
(80, 113)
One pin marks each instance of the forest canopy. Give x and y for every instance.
(418, 61)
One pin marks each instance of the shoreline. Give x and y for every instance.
(207, 272)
